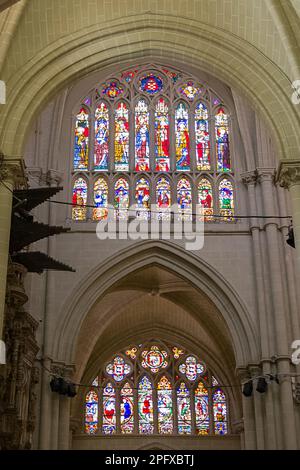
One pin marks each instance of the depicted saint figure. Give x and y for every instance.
(142, 144)
(127, 409)
(206, 199)
(182, 145)
(223, 149)
(225, 198)
(146, 406)
(101, 145)
(163, 200)
(121, 141)
(202, 145)
(109, 410)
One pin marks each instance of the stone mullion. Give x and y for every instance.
(155, 408)
(193, 159)
(136, 408)
(175, 409)
(118, 409)
(191, 389)
(172, 133)
(152, 159)
(111, 143)
(211, 411)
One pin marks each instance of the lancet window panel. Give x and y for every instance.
(156, 388)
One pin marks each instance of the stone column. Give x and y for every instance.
(11, 173)
(248, 413)
(288, 176)
(280, 312)
(64, 423)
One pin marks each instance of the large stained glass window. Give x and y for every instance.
(184, 409)
(101, 147)
(183, 161)
(91, 412)
(145, 406)
(162, 141)
(222, 141)
(100, 199)
(156, 388)
(205, 199)
(226, 200)
(79, 199)
(220, 412)
(165, 406)
(122, 137)
(127, 409)
(121, 198)
(142, 137)
(202, 409)
(142, 198)
(149, 124)
(81, 147)
(202, 137)
(109, 410)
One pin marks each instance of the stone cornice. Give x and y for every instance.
(288, 173)
(12, 169)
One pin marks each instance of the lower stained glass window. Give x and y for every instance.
(164, 406)
(91, 412)
(145, 406)
(127, 409)
(184, 409)
(202, 409)
(109, 410)
(79, 199)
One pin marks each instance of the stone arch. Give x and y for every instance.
(240, 63)
(196, 272)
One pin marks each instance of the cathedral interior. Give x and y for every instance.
(150, 224)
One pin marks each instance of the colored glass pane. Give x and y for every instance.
(91, 412)
(142, 198)
(79, 199)
(100, 199)
(220, 412)
(112, 90)
(191, 368)
(162, 140)
(121, 138)
(214, 381)
(142, 139)
(128, 76)
(131, 352)
(101, 148)
(164, 406)
(121, 198)
(154, 359)
(118, 368)
(81, 146)
(182, 138)
(163, 198)
(177, 352)
(184, 416)
(202, 137)
(205, 200)
(151, 84)
(109, 410)
(222, 141)
(201, 409)
(226, 200)
(184, 198)
(145, 406)
(127, 410)
(173, 75)
(190, 90)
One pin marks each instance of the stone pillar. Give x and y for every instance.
(11, 173)
(280, 313)
(64, 423)
(288, 176)
(248, 414)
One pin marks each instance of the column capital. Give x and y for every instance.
(249, 177)
(288, 173)
(266, 174)
(12, 169)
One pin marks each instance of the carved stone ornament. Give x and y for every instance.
(288, 173)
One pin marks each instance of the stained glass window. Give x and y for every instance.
(118, 368)
(182, 138)
(163, 197)
(91, 412)
(222, 141)
(184, 198)
(109, 410)
(121, 198)
(220, 412)
(101, 147)
(226, 200)
(184, 409)
(202, 137)
(81, 147)
(145, 406)
(142, 138)
(162, 141)
(133, 403)
(165, 406)
(202, 409)
(100, 199)
(154, 122)
(205, 199)
(127, 409)
(121, 137)
(79, 199)
(142, 198)
(191, 368)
